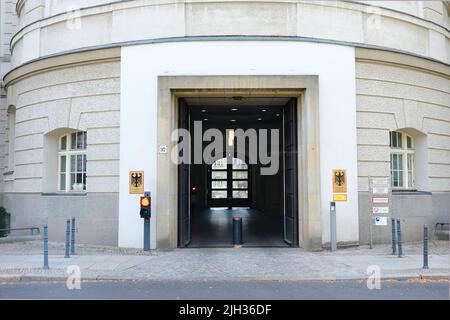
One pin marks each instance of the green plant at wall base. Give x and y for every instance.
(3, 214)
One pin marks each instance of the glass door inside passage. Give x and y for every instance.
(229, 183)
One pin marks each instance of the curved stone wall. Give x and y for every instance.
(394, 92)
(62, 78)
(48, 31)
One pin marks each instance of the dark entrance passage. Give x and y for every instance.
(231, 184)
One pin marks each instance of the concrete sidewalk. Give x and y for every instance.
(23, 261)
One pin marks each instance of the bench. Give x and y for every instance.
(12, 236)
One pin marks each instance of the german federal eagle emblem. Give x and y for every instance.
(136, 179)
(339, 178)
(339, 181)
(136, 182)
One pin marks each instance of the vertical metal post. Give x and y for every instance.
(147, 228)
(399, 239)
(370, 232)
(425, 247)
(394, 245)
(67, 239)
(333, 226)
(46, 247)
(72, 238)
(146, 234)
(237, 231)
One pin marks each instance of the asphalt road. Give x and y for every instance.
(271, 290)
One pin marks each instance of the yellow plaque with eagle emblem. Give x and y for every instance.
(136, 182)
(339, 181)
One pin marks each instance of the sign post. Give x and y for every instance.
(379, 204)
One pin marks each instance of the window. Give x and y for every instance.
(72, 162)
(402, 160)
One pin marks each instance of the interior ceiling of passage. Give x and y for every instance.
(236, 101)
(238, 110)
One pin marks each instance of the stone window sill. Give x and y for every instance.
(70, 194)
(410, 192)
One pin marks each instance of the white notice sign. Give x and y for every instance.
(384, 210)
(380, 190)
(380, 200)
(380, 221)
(380, 185)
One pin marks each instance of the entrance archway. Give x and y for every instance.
(304, 88)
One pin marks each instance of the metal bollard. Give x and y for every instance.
(425, 247)
(394, 245)
(67, 238)
(237, 231)
(399, 239)
(333, 241)
(72, 238)
(46, 247)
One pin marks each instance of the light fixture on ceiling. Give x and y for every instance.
(259, 119)
(278, 114)
(233, 120)
(233, 109)
(203, 110)
(206, 119)
(263, 110)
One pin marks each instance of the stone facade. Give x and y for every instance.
(61, 67)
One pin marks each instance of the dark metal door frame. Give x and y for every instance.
(184, 201)
(290, 173)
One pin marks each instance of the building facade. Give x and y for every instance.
(91, 91)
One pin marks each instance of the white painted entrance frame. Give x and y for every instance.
(143, 65)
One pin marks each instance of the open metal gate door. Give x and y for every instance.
(184, 212)
(290, 173)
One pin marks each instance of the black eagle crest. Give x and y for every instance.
(136, 179)
(339, 178)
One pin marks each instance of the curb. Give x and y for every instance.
(16, 278)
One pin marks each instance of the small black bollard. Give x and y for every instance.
(72, 238)
(394, 245)
(425, 247)
(237, 231)
(46, 247)
(67, 239)
(399, 239)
